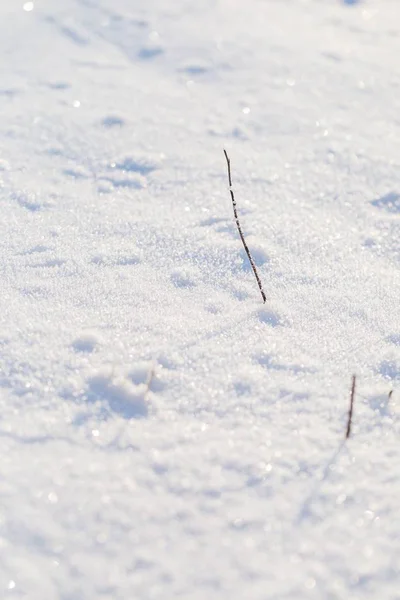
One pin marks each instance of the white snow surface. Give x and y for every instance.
(163, 433)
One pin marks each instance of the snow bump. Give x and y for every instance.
(117, 393)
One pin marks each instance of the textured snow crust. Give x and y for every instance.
(163, 433)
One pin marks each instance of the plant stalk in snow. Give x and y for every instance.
(253, 265)
(352, 394)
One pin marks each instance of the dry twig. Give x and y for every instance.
(253, 266)
(352, 394)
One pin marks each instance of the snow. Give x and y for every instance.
(163, 432)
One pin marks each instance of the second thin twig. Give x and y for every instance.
(349, 419)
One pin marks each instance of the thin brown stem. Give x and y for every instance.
(350, 417)
(252, 263)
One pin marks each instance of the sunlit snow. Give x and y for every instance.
(164, 434)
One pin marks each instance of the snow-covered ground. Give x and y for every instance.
(163, 433)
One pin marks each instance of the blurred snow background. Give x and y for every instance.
(163, 433)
